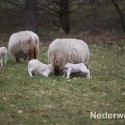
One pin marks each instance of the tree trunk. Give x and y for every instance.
(64, 16)
(31, 15)
(120, 14)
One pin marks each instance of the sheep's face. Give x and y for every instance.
(56, 68)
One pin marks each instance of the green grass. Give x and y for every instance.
(59, 101)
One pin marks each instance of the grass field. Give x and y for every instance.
(60, 101)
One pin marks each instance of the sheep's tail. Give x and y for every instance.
(32, 48)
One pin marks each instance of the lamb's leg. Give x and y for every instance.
(64, 74)
(5, 60)
(30, 72)
(1, 61)
(44, 74)
(88, 75)
(68, 72)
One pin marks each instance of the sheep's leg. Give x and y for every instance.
(25, 60)
(5, 60)
(28, 58)
(30, 72)
(45, 74)
(64, 74)
(34, 54)
(17, 59)
(68, 72)
(88, 75)
(87, 72)
(1, 63)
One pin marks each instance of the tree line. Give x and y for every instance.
(59, 11)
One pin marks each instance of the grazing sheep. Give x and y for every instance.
(3, 56)
(81, 67)
(35, 66)
(62, 51)
(24, 44)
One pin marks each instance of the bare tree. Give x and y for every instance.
(31, 15)
(120, 13)
(64, 15)
(56, 11)
(59, 13)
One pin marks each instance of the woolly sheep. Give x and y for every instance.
(62, 51)
(24, 44)
(35, 66)
(3, 56)
(81, 67)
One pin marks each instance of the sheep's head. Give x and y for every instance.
(56, 70)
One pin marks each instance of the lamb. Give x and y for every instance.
(24, 44)
(35, 66)
(62, 51)
(3, 56)
(81, 67)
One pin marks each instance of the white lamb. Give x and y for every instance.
(35, 66)
(80, 67)
(3, 56)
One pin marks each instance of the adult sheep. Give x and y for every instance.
(24, 44)
(62, 51)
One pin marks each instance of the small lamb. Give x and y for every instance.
(80, 67)
(35, 66)
(3, 56)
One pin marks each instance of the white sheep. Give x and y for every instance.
(62, 51)
(81, 67)
(35, 66)
(24, 44)
(3, 56)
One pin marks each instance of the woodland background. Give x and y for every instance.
(92, 20)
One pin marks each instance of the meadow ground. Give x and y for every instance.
(60, 101)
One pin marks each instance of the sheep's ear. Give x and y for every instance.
(87, 66)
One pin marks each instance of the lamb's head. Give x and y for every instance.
(50, 67)
(65, 69)
(87, 66)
